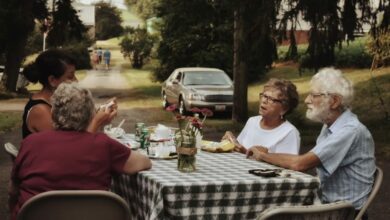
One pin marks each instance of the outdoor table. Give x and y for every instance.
(220, 188)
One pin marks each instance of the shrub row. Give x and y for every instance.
(352, 54)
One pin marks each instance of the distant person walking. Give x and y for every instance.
(100, 54)
(95, 60)
(107, 57)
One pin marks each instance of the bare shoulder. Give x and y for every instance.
(39, 113)
(40, 109)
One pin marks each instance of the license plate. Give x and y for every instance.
(220, 108)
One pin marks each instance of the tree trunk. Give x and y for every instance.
(16, 43)
(240, 102)
(14, 58)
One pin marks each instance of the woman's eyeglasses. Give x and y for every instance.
(269, 99)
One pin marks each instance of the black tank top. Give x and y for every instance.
(29, 105)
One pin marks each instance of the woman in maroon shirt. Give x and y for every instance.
(70, 157)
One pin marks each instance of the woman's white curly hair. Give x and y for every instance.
(72, 107)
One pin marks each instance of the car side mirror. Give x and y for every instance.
(175, 81)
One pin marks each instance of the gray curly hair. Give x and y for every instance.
(332, 81)
(72, 107)
(288, 93)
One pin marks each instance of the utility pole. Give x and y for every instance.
(47, 23)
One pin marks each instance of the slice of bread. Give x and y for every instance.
(217, 147)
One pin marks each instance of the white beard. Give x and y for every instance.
(318, 114)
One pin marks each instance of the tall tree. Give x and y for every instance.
(18, 25)
(331, 22)
(194, 39)
(205, 38)
(254, 47)
(146, 9)
(66, 25)
(108, 21)
(25, 14)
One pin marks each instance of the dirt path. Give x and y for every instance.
(105, 79)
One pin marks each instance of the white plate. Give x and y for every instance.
(114, 132)
(129, 142)
(163, 158)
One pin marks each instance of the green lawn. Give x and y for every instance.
(147, 94)
(144, 94)
(9, 120)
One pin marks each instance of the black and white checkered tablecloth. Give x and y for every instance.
(221, 188)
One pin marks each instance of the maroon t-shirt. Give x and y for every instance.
(66, 160)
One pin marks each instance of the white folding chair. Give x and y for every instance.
(75, 204)
(374, 191)
(11, 150)
(336, 211)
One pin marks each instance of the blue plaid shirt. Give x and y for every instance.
(346, 151)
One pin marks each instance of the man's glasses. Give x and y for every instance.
(313, 95)
(269, 99)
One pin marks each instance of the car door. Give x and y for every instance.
(173, 87)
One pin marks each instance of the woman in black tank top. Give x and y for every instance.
(50, 68)
(31, 103)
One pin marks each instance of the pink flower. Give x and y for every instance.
(206, 112)
(196, 123)
(195, 110)
(171, 108)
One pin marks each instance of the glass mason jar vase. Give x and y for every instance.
(186, 160)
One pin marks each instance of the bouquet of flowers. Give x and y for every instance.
(189, 127)
(189, 133)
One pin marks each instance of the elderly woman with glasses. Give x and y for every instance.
(344, 154)
(270, 131)
(70, 157)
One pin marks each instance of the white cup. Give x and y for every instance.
(162, 132)
(162, 150)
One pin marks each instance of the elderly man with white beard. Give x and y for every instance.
(344, 151)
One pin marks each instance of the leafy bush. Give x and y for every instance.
(380, 47)
(137, 46)
(352, 54)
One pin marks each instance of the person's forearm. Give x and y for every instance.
(283, 160)
(93, 127)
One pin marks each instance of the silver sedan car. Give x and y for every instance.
(198, 87)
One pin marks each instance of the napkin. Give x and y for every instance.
(162, 132)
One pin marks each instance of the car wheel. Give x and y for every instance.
(165, 102)
(182, 107)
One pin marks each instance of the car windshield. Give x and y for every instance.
(206, 78)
